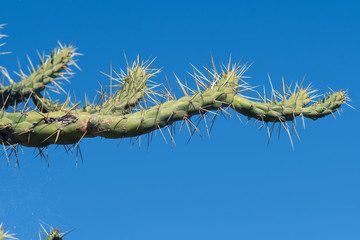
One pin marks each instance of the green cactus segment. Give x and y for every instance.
(288, 109)
(328, 105)
(38, 79)
(230, 79)
(157, 117)
(55, 235)
(132, 91)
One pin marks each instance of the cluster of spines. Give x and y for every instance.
(6, 235)
(53, 234)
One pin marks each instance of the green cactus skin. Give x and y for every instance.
(122, 115)
(132, 91)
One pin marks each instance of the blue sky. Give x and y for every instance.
(229, 186)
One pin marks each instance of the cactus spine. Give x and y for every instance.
(5, 235)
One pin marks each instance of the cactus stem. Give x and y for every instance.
(132, 105)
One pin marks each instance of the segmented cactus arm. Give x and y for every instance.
(134, 107)
(288, 109)
(52, 69)
(68, 126)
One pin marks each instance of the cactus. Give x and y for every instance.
(134, 108)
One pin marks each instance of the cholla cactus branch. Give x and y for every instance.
(134, 107)
(68, 126)
(288, 109)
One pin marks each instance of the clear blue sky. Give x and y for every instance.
(229, 186)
